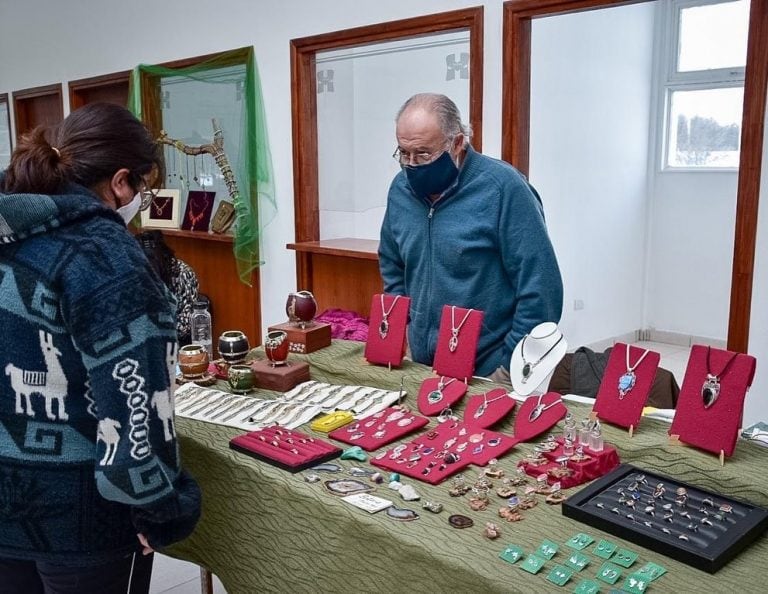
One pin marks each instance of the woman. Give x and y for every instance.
(89, 471)
(177, 275)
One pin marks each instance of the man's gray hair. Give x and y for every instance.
(446, 111)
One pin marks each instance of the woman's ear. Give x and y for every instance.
(121, 188)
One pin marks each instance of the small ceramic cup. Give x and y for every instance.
(193, 361)
(276, 347)
(240, 378)
(233, 346)
(301, 308)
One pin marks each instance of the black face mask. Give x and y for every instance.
(432, 178)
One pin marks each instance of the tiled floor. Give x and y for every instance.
(673, 357)
(171, 576)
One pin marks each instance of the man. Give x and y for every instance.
(467, 230)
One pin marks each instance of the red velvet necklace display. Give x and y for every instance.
(379, 429)
(714, 428)
(485, 410)
(537, 415)
(457, 342)
(386, 335)
(626, 384)
(438, 393)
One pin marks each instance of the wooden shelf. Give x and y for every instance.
(200, 235)
(364, 249)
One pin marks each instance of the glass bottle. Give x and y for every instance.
(201, 327)
(596, 438)
(584, 432)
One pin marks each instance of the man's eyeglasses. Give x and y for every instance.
(420, 158)
(147, 195)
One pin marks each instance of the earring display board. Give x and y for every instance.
(379, 429)
(485, 410)
(711, 402)
(535, 357)
(697, 527)
(626, 384)
(197, 215)
(457, 341)
(290, 450)
(386, 338)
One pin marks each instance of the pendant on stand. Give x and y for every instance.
(626, 383)
(453, 343)
(480, 410)
(435, 396)
(536, 412)
(384, 327)
(527, 368)
(710, 390)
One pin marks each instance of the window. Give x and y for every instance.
(704, 84)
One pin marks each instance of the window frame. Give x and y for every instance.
(694, 80)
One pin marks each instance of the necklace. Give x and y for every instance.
(158, 211)
(484, 406)
(195, 218)
(540, 408)
(453, 343)
(436, 395)
(710, 389)
(529, 366)
(384, 326)
(628, 379)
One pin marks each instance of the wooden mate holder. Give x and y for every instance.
(280, 378)
(316, 336)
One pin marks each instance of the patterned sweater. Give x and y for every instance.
(88, 451)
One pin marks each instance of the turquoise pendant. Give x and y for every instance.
(435, 396)
(626, 383)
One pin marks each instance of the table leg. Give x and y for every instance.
(206, 581)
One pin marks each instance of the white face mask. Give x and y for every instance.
(130, 210)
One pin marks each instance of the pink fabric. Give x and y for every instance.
(348, 325)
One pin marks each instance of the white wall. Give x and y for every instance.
(590, 112)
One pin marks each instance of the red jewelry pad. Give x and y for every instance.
(461, 362)
(716, 428)
(499, 405)
(290, 450)
(448, 437)
(390, 349)
(609, 405)
(364, 432)
(525, 429)
(599, 464)
(452, 391)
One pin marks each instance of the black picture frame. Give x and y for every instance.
(708, 549)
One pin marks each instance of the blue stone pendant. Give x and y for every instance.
(626, 383)
(710, 390)
(435, 396)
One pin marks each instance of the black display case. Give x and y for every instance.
(697, 527)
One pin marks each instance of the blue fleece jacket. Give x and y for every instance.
(482, 245)
(88, 451)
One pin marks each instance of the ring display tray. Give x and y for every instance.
(706, 531)
(290, 450)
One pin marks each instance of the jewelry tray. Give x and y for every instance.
(708, 548)
(290, 450)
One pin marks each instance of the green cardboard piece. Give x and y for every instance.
(624, 557)
(547, 549)
(577, 561)
(604, 549)
(652, 571)
(636, 583)
(587, 587)
(512, 554)
(532, 564)
(609, 573)
(580, 541)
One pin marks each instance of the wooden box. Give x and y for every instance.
(282, 377)
(306, 340)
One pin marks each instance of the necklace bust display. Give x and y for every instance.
(535, 357)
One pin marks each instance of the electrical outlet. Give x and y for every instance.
(578, 304)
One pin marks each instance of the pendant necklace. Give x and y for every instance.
(158, 211)
(529, 366)
(436, 395)
(710, 389)
(484, 406)
(194, 219)
(453, 343)
(628, 379)
(540, 408)
(384, 326)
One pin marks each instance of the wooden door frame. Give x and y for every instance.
(516, 105)
(304, 103)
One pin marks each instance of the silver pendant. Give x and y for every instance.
(384, 327)
(526, 371)
(536, 412)
(626, 383)
(435, 396)
(480, 410)
(453, 343)
(710, 390)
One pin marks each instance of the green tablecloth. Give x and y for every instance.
(267, 530)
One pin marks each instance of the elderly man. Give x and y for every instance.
(464, 229)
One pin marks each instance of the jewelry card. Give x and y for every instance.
(368, 502)
(386, 335)
(485, 410)
(457, 342)
(439, 393)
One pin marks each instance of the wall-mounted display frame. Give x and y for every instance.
(6, 139)
(106, 88)
(163, 211)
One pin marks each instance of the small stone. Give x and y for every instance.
(311, 477)
(408, 493)
(394, 477)
(395, 485)
(354, 453)
(377, 478)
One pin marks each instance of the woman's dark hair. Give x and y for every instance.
(159, 254)
(87, 148)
